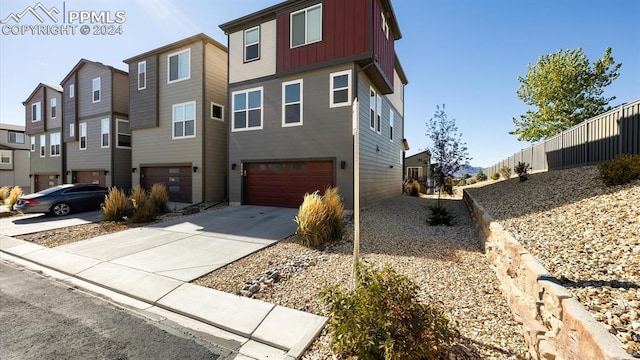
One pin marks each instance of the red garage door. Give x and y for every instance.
(177, 180)
(285, 183)
(44, 181)
(88, 177)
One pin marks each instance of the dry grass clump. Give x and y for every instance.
(142, 208)
(4, 193)
(14, 194)
(116, 205)
(159, 198)
(320, 219)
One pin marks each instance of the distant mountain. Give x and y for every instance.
(467, 169)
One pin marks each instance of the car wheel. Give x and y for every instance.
(61, 209)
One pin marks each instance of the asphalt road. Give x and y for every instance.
(41, 318)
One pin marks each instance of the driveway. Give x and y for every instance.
(31, 223)
(187, 248)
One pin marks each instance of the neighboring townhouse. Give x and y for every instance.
(14, 157)
(418, 166)
(43, 119)
(96, 125)
(178, 113)
(295, 70)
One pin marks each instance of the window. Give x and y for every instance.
(72, 130)
(96, 90)
(414, 173)
(372, 109)
(33, 144)
(35, 112)
(247, 109)
(306, 26)
(124, 134)
(391, 116)
(142, 75)
(54, 139)
(178, 66)
(5, 157)
(184, 120)
(252, 44)
(72, 91)
(43, 145)
(385, 25)
(292, 103)
(340, 89)
(378, 113)
(217, 111)
(54, 103)
(83, 136)
(104, 133)
(16, 137)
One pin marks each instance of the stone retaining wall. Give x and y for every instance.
(555, 325)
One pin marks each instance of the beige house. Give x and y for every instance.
(14, 156)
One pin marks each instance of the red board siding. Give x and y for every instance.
(344, 33)
(383, 51)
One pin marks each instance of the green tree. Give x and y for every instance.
(566, 90)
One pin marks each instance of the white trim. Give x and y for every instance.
(221, 118)
(82, 126)
(53, 104)
(284, 104)
(140, 64)
(246, 109)
(306, 26)
(177, 53)
(33, 143)
(195, 117)
(414, 167)
(10, 156)
(58, 143)
(72, 129)
(332, 90)
(391, 118)
(244, 41)
(72, 91)
(43, 145)
(37, 112)
(103, 133)
(379, 114)
(118, 121)
(93, 90)
(372, 106)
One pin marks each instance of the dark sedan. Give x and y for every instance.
(63, 199)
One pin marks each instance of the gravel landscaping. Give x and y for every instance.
(444, 261)
(587, 235)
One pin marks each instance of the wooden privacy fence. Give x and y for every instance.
(598, 139)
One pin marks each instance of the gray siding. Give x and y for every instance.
(325, 134)
(37, 126)
(69, 111)
(215, 143)
(143, 111)
(48, 164)
(94, 157)
(18, 175)
(380, 159)
(419, 160)
(121, 165)
(51, 122)
(120, 93)
(84, 93)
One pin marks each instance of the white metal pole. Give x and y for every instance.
(356, 192)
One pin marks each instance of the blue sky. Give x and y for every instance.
(466, 54)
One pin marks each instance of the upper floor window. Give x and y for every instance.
(384, 24)
(252, 44)
(391, 116)
(292, 103)
(43, 145)
(184, 120)
(179, 66)
(340, 88)
(217, 111)
(54, 139)
(83, 136)
(142, 75)
(247, 109)
(33, 143)
(16, 137)
(54, 108)
(5, 157)
(104, 133)
(306, 26)
(72, 91)
(35, 112)
(96, 90)
(72, 130)
(124, 134)
(378, 114)
(372, 108)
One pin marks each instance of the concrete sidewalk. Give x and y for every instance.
(155, 264)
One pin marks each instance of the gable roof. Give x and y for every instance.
(40, 85)
(423, 153)
(84, 62)
(178, 44)
(271, 12)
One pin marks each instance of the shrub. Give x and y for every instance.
(462, 182)
(621, 170)
(522, 170)
(14, 194)
(320, 219)
(473, 181)
(495, 176)
(439, 216)
(4, 193)
(448, 187)
(142, 208)
(116, 206)
(159, 198)
(384, 319)
(414, 188)
(481, 176)
(505, 172)
(466, 176)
